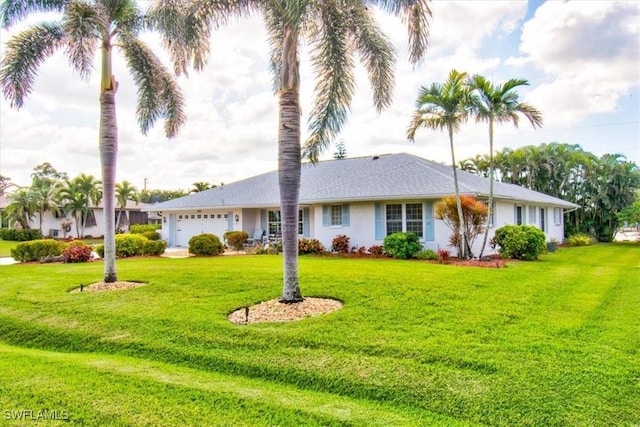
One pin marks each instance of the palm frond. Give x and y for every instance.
(275, 35)
(158, 93)
(84, 26)
(376, 52)
(333, 64)
(415, 14)
(12, 11)
(24, 53)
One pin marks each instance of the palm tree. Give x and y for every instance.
(499, 104)
(21, 209)
(92, 189)
(445, 106)
(86, 27)
(201, 186)
(335, 32)
(125, 192)
(75, 203)
(45, 197)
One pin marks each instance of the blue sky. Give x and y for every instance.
(582, 59)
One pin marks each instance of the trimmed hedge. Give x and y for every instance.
(236, 239)
(524, 242)
(151, 235)
(34, 250)
(402, 245)
(19, 235)
(205, 245)
(143, 228)
(128, 245)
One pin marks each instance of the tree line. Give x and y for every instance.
(602, 186)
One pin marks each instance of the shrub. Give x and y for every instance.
(340, 244)
(151, 235)
(443, 256)
(36, 249)
(236, 239)
(310, 246)
(143, 228)
(402, 245)
(129, 245)
(428, 255)
(19, 235)
(205, 244)
(99, 250)
(520, 242)
(361, 251)
(580, 239)
(77, 251)
(376, 250)
(154, 247)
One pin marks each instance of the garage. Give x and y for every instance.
(191, 224)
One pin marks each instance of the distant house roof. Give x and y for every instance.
(384, 177)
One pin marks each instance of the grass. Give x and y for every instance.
(554, 342)
(6, 246)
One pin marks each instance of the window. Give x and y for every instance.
(199, 216)
(394, 218)
(414, 218)
(274, 223)
(518, 215)
(532, 215)
(219, 216)
(492, 216)
(557, 216)
(543, 219)
(193, 217)
(206, 216)
(179, 216)
(335, 215)
(407, 217)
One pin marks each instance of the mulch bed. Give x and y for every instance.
(106, 287)
(276, 311)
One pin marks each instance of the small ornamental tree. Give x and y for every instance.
(474, 214)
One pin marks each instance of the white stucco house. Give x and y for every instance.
(53, 225)
(364, 198)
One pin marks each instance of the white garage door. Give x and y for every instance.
(191, 224)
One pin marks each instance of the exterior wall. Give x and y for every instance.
(361, 227)
(51, 226)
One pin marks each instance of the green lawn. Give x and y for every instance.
(554, 342)
(6, 246)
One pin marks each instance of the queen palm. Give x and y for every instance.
(499, 104)
(21, 209)
(87, 27)
(335, 31)
(443, 106)
(45, 197)
(75, 203)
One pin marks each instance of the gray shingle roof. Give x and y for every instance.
(385, 177)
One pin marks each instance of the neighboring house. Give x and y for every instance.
(364, 198)
(52, 225)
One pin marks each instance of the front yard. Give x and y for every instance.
(553, 342)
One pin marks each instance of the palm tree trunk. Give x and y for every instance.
(461, 234)
(491, 173)
(289, 164)
(108, 159)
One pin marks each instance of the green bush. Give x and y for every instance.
(402, 245)
(310, 246)
(524, 242)
(19, 235)
(34, 250)
(154, 247)
(427, 255)
(129, 245)
(579, 239)
(76, 251)
(143, 228)
(236, 239)
(151, 235)
(205, 244)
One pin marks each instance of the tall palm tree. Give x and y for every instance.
(335, 31)
(499, 104)
(125, 192)
(445, 106)
(92, 190)
(88, 26)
